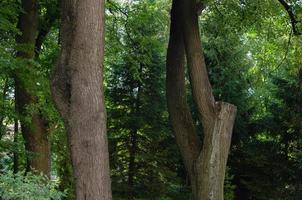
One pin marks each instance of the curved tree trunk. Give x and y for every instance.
(77, 89)
(206, 165)
(179, 112)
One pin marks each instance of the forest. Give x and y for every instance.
(150, 99)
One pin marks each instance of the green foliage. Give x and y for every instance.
(8, 16)
(253, 59)
(137, 117)
(229, 187)
(35, 75)
(61, 161)
(27, 187)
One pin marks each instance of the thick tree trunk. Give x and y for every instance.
(206, 167)
(217, 117)
(77, 88)
(211, 163)
(35, 130)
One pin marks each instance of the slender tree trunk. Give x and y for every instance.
(4, 93)
(206, 166)
(16, 131)
(132, 164)
(34, 130)
(77, 89)
(16, 154)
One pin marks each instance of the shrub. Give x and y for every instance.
(27, 187)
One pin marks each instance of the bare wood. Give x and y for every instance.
(212, 161)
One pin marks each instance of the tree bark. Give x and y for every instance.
(16, 153)
(206, 166)
(217, 117)
(77, 89)
(179, 112)
(4, 94)
(35, 130)
(211, 163)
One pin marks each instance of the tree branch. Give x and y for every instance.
(179, 112)
(51, 16)
(292, 17)
(201, 86)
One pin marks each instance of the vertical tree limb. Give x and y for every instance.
(206, 167)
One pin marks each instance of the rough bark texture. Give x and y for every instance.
(35, 131)
(211, 164)
(179, 112)
(206, 166)
(77, 89)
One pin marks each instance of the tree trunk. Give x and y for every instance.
(16, 153)
(217, 117)
(179, 112)
(206, 166)
(77, 89)
(132, 164)
(35, 130)
(4, 94)
(211, 163)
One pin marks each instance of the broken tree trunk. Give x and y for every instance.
(206, 167)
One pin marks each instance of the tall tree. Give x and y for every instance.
(77, 89)
(205, 164)
(33, 126)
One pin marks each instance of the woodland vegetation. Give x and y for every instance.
(151, 99)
